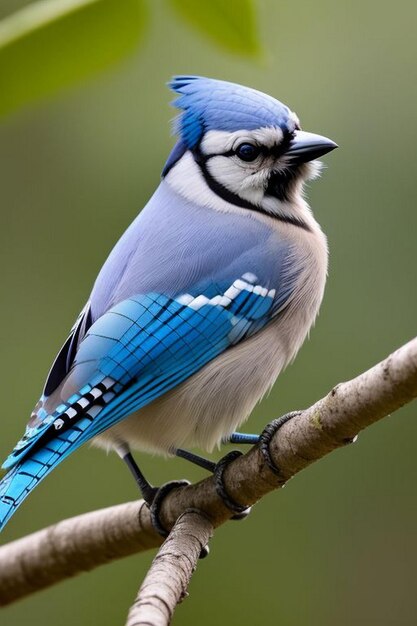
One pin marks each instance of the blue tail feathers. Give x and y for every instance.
(27, 474)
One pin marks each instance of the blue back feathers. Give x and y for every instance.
(209, 104)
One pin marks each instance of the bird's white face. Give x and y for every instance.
(245, 162)
(261, 170)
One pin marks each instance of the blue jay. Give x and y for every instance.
(206, 297)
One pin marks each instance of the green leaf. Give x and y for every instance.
(52, 44)
(230, 23)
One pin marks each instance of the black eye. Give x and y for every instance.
(247, 151)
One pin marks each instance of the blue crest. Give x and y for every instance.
(209, 104)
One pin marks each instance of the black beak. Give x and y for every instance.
(308, 146)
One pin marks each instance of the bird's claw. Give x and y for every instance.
(240, 511)
(155, 505)
(266, 436)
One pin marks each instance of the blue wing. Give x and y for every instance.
(137, 351)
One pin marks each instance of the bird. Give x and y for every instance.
(203, 301)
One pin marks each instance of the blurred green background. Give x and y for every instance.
(338, 545)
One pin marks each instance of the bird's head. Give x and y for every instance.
(243, 145)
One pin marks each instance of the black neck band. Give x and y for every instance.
(227, 195)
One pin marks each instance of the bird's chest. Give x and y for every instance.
(217, 399)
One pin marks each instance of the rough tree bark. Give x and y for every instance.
(86, 541)
(167, 581)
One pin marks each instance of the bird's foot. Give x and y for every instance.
(266, 436)
(217, 470)
(153, 496)
(157, 500)
(241, 511)
(155, 509)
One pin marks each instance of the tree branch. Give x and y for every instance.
(84, 542)
(167, 581)
(74, 545)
